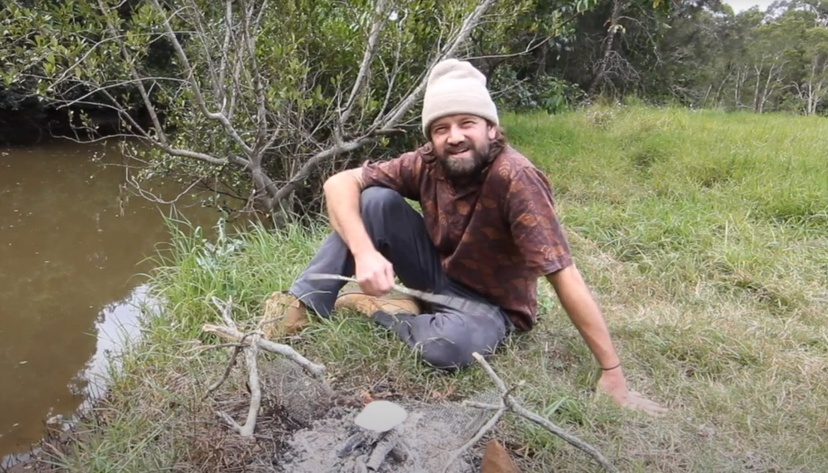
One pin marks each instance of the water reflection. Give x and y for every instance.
(69, 255)
(117, 325)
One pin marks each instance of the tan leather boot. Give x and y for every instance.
(284, 315)
(370, 305)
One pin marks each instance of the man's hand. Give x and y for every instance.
(614, 384)
(374, 273)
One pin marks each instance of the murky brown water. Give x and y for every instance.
(68, 285)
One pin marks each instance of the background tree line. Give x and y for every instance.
(694, 53)
(260, 100)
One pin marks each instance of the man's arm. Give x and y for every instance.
(584, 313)
(342, 194)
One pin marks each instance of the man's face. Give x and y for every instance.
(461, 144)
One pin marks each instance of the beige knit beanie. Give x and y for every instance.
(456, 87)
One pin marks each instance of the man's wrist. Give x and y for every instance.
(361, 250)
(612, 367)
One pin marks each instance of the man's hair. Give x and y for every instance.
(501, 135)
(499, 142)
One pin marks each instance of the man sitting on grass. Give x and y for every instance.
(487, 233)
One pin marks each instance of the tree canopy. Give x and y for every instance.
(260, 100)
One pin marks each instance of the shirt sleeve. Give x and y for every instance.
(401, 174)
(536, 230)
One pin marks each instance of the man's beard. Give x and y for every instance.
(467, 166)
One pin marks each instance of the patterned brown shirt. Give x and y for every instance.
(496, 235)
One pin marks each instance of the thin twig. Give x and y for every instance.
(381, 450)
(469, 24)
(481, 405)
(228, 333)
(476, 438)
(250, 355)
(380, 20)
(226, 418)
(501, 409)
(236, 350)
(251, 343)
(195, 88)
(226, 309)
(589, 449)
(204, 348)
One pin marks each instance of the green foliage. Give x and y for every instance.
(760, 61)
(542, 93)
(236, 95)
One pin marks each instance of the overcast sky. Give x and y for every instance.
(741, 5)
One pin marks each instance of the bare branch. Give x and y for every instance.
(191, 78)
(476, 438)
(80, 61)
(252, 343)
(96, 88)
(390, 79)
(202, 34)
(314, 161)
(531, 46)
(508, 402)
(250, 356)
(133, 72)
(228, 333)
(229, 420)
(186, 153)
(153, 197)
(258, 89)
(468, 25)
(236, 350)
(228, 27)
(131, 121)
(368, 58)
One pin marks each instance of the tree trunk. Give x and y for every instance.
(717, 99)
(814, 90)
(741, 78)
(758, 70)
(809, 110)
(598, 80)
(703, 103)
(771, 83)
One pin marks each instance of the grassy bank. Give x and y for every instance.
(704, 237)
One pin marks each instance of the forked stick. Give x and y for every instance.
(508, 402)
(252, 342)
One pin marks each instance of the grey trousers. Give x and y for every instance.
(445, 337)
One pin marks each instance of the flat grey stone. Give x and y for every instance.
(381, 416)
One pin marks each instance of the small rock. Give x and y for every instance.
(381, 416)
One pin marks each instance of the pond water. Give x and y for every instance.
(71, 255)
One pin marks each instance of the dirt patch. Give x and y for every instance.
(427, 438)
(301, 427)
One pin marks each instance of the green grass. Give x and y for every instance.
(703, 235)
